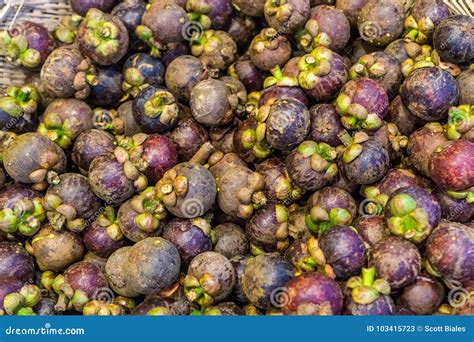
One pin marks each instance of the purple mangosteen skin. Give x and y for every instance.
(450, 250)
(99, 242)
(313, 288)
(382, 306)
(249, 74)
(82, 6)
(344, 250)
(424, 199)
(371, 229)
(16, 262)
(239, 263)
(422, 297)
(396, 260)
(130, 12)
(108, 92)
(220, 11)
(368, 93)
(453, 209)
(282, 93)
(453, 39)
(334, 23)
(8, 285)
(189, 239)
(126, 220)
(160, 154)
(188, 135)
(85, 276)
(13, 193)
(326, 124)
(398, 114)
(89, 145)
(396, 179)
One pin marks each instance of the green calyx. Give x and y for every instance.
(267, 39)
(365, 289)
(203, 20)
(314, 259)
(86, 77)
(162, 105)
(58, 130)
(134, 81)
(159, 311)
(407, 220)
(129, 153)
(17, 51)
(467, 195)
(319, 220)
(280, 9)
(21, 303)
(251, 197)
(170, 187)
(367, 66)
(354, 147)
(108, 220)
(62, 215)
(378, 200)
(313, 66)
(101, 308)
(197, 290)
(355, 116)
(311, 37)
(146, 35)
(25, 217)
(151, 211)
(209, 43)
(418, 31)
(460, 121)
(107, 120)
(254, 139)
(67, 28)
(20, 101)
(322, 157)
(279, 79)
(68, 298)
(102, 34)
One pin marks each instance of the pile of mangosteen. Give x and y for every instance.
(239, 157)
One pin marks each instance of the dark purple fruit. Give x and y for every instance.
(55, 250)
(210, 13)
(244, 70)
(125, 118)
(8, 285)
(311, 293)
(306, 255)
(27, 44)
(242, 29)
(381, 21)
(141, 70)
(16, 262)
(210, 279)
(454, 209)
(89, 145)
(264, 279)
(278, 184)
(344, 250)
(107, 91)
(453, 39)
(18, 109)
(396, 260)
(449, 250)
(422, 297)
(412, 212)
(371, 229)
(130, 12)
(399, 115)
(429, 92)
(188, 136)
(327, 26)
(64, 119)
(190, 236)
(102, 37)
(326, 124)
(155, 110)
(182, 74)
(286, 17)
(82, 6)
(269, 49)
(425, 16)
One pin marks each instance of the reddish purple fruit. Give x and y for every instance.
(82, 6)
(326, 126)
(16, 262)
(422, 297)
(89, 145)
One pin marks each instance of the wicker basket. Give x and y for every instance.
(48, 12)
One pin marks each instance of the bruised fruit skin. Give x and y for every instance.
(326, 126)
(428, 93)
(449, 250)
(312, 166)
(312, 293)
(70, 202)
(425, 16)
(190, 236)
(263, 277)
(155, 110)
(210, 279)
(396, 260)
(371, 229)
(422, 297)
(82, 6)
(421, 145)
(286, 16)
(269, 49)
(55, 250)
(453, 39)
(64, 119)
(108, 180)
(89, 145)
(211, 103)
(182, 74)
(66, 73)
(412, 212)
(322, 73)
(188, 135)
(344, 250)
(452, 166)
(327, 26)
(16, 262)
(30, 158)
(27, 44)
(188, 190)
(466, 86)
(328, 207)
(267, 230)
(230, 239)
(102, 37)
(362, 103)
(103, 236)
(380, 21)
(116, 273)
